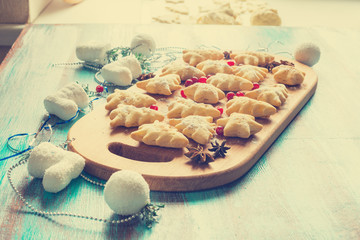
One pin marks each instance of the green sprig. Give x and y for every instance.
(115, 53)
(149, 214)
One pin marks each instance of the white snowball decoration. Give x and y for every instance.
(126, 192)
(56, 166)
(307, 53)
(66, 101)
(116, 74)
(143, 44)
(93, 52)
(132, 63)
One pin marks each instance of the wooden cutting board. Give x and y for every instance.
(107, 150)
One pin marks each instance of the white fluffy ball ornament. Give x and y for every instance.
(307, 53)
(126, 192)
(143, 44)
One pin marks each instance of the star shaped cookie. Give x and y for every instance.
(161, 85)
(198, 128)
(239, 125)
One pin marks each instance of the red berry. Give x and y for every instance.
(255, 86)
(202, 80)
(183, 94)
(194, 79)
(209, 76)
(240, 94)
(154, 107)
(230, 95)
(99, 88)
(188, 82)
(231, 63)
(219, 130)
(221, 110)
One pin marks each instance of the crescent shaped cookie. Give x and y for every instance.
(195, 56)
(161, 85)
(252, 58)
(185, 107)
(275, 95)
(239, 125)
(204, 93)
(160, 134)
(288, 75)
(128, 98)
(251, 73)
(198, 128)
(214, 66)
(249, 106)
(229, 82)
(184, 70)
(130, 116)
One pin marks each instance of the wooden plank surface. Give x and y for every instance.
(306, 186)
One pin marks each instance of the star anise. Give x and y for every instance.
(146, 76)
(197, 154)
(227, 54)
(273, 64)
(219, 150)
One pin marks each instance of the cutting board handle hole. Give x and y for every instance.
(144, 153)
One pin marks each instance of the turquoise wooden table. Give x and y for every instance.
(306, 186)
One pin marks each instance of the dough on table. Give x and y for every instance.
(251, 58)
(275, 94)
(249, 106)
(128, 98)
(161, 85)
(214, 66)
(229, 82)
(265, 17)
(195, 56)
(250, 72)
(239, 125)
(198, 128)
(130, 116)
(167, 18)
(177, 8)
(184, 70)
(174, 1)
(182, 107)
(204, 93)
(288, 75)
(160, 134)
(216, 17)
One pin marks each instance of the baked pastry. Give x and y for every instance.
(250, 72)
(161, 85)
(160, 134)
(204, 93)
(252, 58)
(128, 98)
(214, 66)
(185, 107)
(130, 116)
(275, 94)
(229, 82)
(184, 70)
(288, 75)
(249, 106)
(198, 128)
(195, 56)
(239, 125)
